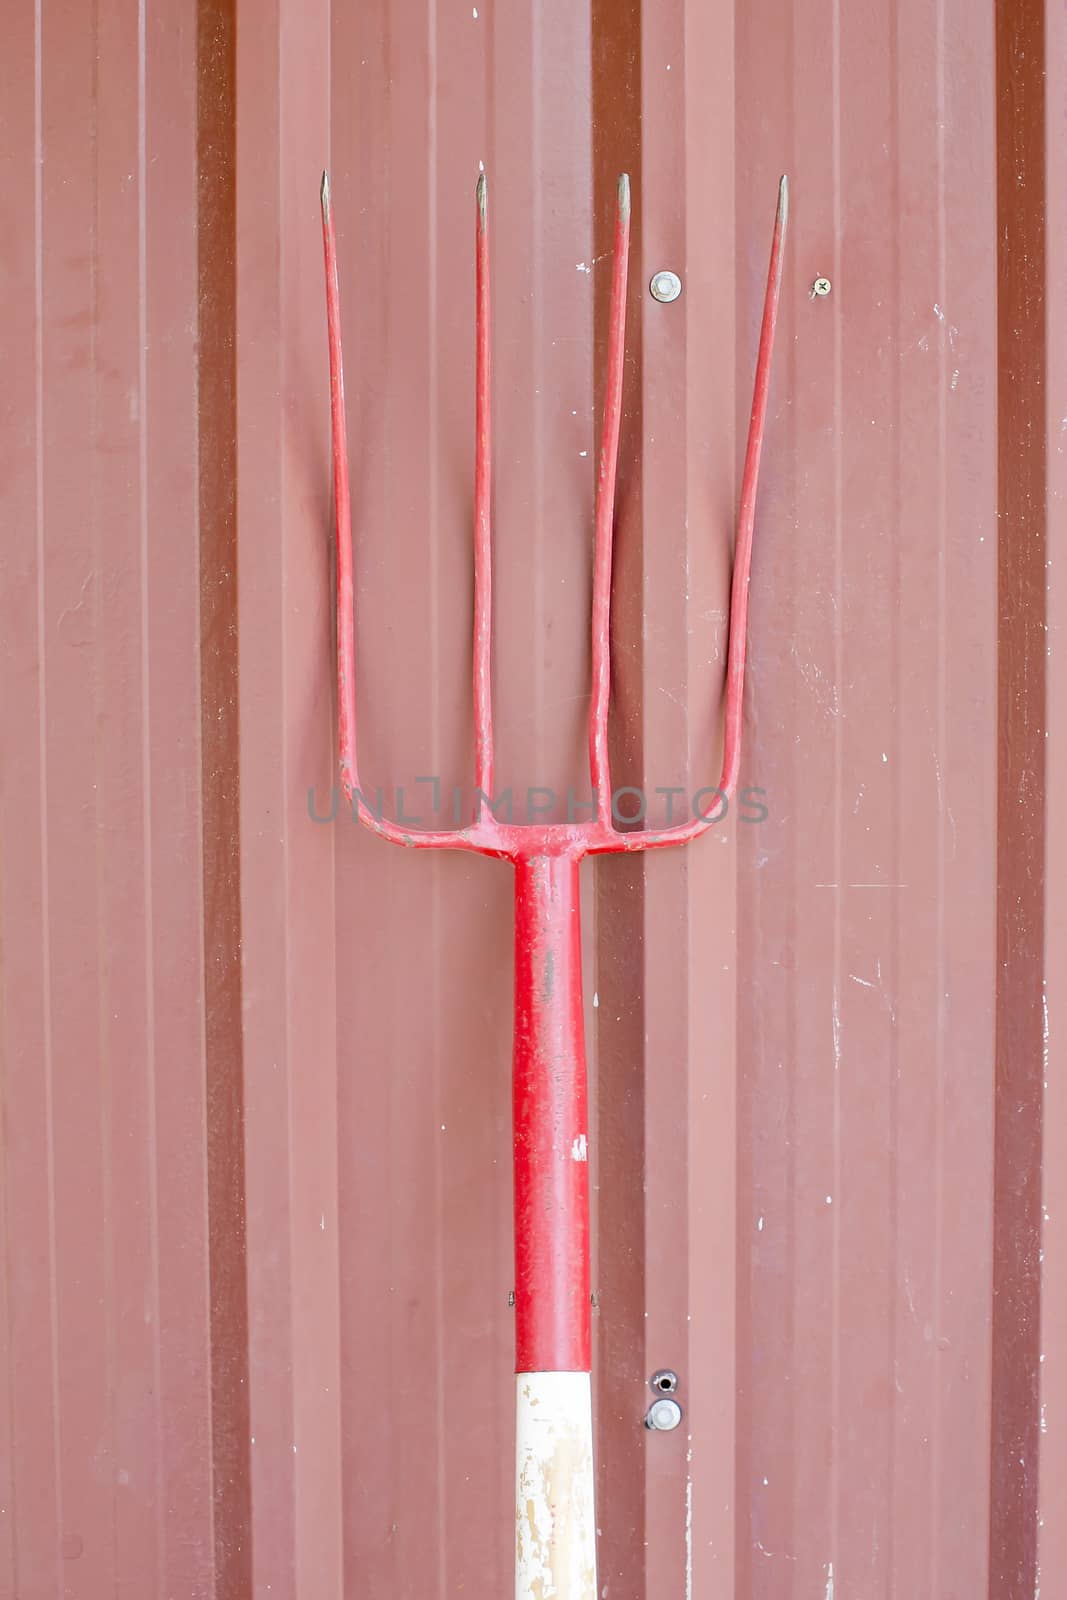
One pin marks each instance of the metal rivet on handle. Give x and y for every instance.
(821, 288)
(665, 286)
(663, 1415)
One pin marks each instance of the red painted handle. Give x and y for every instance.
(552, 1323)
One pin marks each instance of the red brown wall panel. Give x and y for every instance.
(105, 1438)
(255, 1211)
(868, 926)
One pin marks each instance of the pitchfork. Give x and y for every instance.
(555, 1530)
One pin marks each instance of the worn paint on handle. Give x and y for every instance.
(555, 1527)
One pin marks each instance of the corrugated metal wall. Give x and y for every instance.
(255, 1115)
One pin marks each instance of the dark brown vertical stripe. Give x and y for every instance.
(216, 225)
(619, 894)
(1021, 795)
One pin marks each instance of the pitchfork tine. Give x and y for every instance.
(346, 678)
(483, 556)
(599, 763)
(735, 669)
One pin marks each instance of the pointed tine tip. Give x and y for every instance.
(482, 191)
(783, 198)
(624, 196)
(324, 191)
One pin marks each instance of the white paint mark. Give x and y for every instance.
(759, 1225)
(835, 1020)
(580, 267)
(829, 1199)
(583, 452)
(596, 1000)
(954, 380)
(829, 1591)
(688, 1526)
(824, 691)
(580, 1149)
(322, 1222)
(950, 327)
(555, 1537)
(885, 758)
(475, 13)
(878, 983)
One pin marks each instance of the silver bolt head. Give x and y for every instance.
(665, 287)
(663, 1415)
(821, 288)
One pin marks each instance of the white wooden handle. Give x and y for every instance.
(555, 1527)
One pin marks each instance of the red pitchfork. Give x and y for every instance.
(555, 1530)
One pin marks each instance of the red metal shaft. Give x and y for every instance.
(552, 1321)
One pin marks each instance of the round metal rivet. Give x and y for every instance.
(820, 288)
(665, 286)
(663, 1415)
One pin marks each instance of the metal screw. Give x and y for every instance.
(665, 286)
(663, 1382)
(663, 1415)
(821, 288)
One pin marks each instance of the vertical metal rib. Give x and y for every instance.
(483, 559)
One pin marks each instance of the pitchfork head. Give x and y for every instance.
(486, 835)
